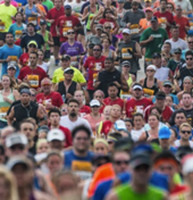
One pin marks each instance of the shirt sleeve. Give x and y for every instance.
(81, 78)
(54, 78)
(143, 36)
(60, 100)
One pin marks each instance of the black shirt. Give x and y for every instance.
(128, 5)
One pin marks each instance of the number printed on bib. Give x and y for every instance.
(125, 53)
(34, 80)
(134, 28)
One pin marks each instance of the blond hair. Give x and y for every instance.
(185, 125)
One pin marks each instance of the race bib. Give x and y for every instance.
(191, 25)
(18, 34)
(82, 169)
(125, 95)
(32, 20)
(163, 21)
(148, 92)
(13, 58)
(34, 80)
(2, 26)
(3, 111)
(125, 53)
(134, 29)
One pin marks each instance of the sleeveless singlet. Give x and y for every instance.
(90, 16)
(4, 105)
(62, 90)
(29, 16)
(154, 140)
(150, 91)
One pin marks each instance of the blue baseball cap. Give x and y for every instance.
(164, 133)
(67, 7)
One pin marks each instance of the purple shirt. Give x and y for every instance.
(74, 50)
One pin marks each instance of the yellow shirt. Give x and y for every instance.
(6, 12)
(59, 75)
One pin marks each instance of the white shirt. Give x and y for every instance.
(66, 122)
(182, 44)
(162, 73)
(177, 143)
(185, 4)
(135, 134)
(45, 66)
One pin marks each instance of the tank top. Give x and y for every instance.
(90, 16)
(62, 90)
(150, 91)
(4, 105)
(125, 192)
(46, 38)
(29, 16)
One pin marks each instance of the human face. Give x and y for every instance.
(135, 7)
(167, 169)
(107, 28)
(179, 12)
(98, 96)
(9, 39)
(19, 17)
(163, 5)
(164, 62)
(190, 43)
(167, 89)
(126, 69)
(116, 112)
(65, 63)
(179, 119)
(6, 82)
(58, 3)
(138, 122)
(137, 93)
(169, 101)
(30, 29)
(100, 148)
(11, 72)
(95, 109)
(54, 119)
(96, 51)
(107, 113)
(108, 65)
(169, 8)
(4, 188)
(29, 130)
(54, 163)
(25, 98)
(150, 72)
(79, 96)
(175, 33)
(68, 11)
(121, 162)
(189, 60)
(129, 126)
(172, 136)
(33, 95)
(126, 37)
(167, 48)
(105, 43)
(186, 100)
(153, 121)
(16, 150)
(187, 84)
(81, 142)
(185, 133)
(156, 61)
(56, 144)
(68, 75)
(73, 109)
(40, 55)
(160, 102)
(43, 147)
(164, 143)
(112, 92)
(71, 34)
(46, 87)
(154, 25)
(64, 110)
(33, 59)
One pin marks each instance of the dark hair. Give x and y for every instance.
(110, 59)
(156, 108)
(169, 3)
(41, 51)
(18, 14)
(155, 116)
(185, 93)
(175, 131)
(81, 128)
(105, 11)
(168, 43)
(178, 112)
(104, 32)
(73, 101)
(35, 53)
(106, 39)
(170, 97)
(174, 27)
(112, 85)
(137, 115)
(163, 0)
(8, 33)
(116, 135)
(26, 121)
(129, 120)
(189, 53)
(189, 36)
(99, 45)
(54, 111)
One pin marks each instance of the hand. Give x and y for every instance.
(118, 84)
(6, 99)
(85, 74)
(58, 34)
(128, 25)
(33, 13)
(8, 59)
(49, 106)
(101, 9)
(52, 21)
(26, 80)
(69, 96)
(150, 38)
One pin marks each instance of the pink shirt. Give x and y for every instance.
(13, 3)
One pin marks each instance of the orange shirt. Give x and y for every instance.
(144, 23)
(42, 10)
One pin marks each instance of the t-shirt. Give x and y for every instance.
(156, 44)
(24, 59)
(177, 44)
(53, 98)
(76, 7)
(177, 143)
(185, 4)
(183, 22)
(94, 66)
(14, 53)
(74, 50)
(81, 166)
(107, 127)
(6, 12)
(135, 134)
(34, 76)
(48, 3)
(144, 23)
(175, 98)
(162, 73)
(64, 24)
(54, 14)
(68, 138)
(26, 39)
(119, 101)
(16, 30)
(133, 106)
(58, 75)
(84, 110)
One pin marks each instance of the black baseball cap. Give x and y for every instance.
(161, 95)
(156, 55)
(154, 19)
(178, 50)
(42, 22)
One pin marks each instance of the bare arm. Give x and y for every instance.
(137, 54)
(116, 28)
(10, 117)
(50, 40)
(85, 14)
(96, 83)
(124, 85)
(143, 43)
(16, 95)
(111, 196)
(78, 87)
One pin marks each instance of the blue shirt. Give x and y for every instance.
(176, 101)
(13, 28)
(5, 52)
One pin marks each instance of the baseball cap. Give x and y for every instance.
(12, 162)
(139, 158)
(68, 69)
(164, 133)
(32, 42)
(137, 86)
(120, 125)
(160, 95)
(65, 57)
(43, 128)
(187, 164)
(67, 7)
(148, 8)
(151, 67)
(144, 148)
(167, 83)
(126, 30)
(126, 63)
(177, 50)
(147, 0)
(94, 102)
(91, 45)
(55, 134)
(98, 157)
(124, 144)
(156, 55)
(12, 65)
(99, 26)
(120, 1)
(16, 138)
(42, 22)
(154, 19)
(25, 90)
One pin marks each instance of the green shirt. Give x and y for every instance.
(49, 4)
(156, 44)
(125, 192)
(59, 75)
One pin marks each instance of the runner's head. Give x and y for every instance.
(58, 3)
(68, 10)
(54, 117)
(73, 107)
(135, 5)
(46, 85)
(65, 61)
(11, 70)
(126, 66)
(160, 99)
(189, 58)
(167, 87)
(186, 100)
(175, 32)
(126, 35)
(9, 38)
(190, 42)
(33, 58)
(71, 34)
(18, 17)
(25, 96)
(163, 4)
(154, 23)
(167, 47)
(7, 82)
(31, 28)
(112, 90)
(148, 4)
(185, 131)
(187, 83)
(99, 95)
(138, 121)
(109, 64)
(137, 91)
(150, 70)
(68, 74)
(179, 11)
(157, 59)
(179, 117)
(97, 50)
(42, 146)
(164, 137)
(32, 46)
(100, 146)
(116, 111)
(79, 95)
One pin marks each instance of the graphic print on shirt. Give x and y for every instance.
(67, 26)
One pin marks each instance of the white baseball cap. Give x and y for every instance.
(187, 166)
(16, 138)
(126, 30)
(120, 125)
(151, 67)
(94, 102)
(55, 134)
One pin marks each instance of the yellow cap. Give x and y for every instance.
(33, 42)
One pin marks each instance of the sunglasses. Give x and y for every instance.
(96, 50)
(179, 117)
(107, 12)
(46, 85)
(108, 27)
(120, 162)
(70, 72)
(64, 110)
(189, 58)
(183, 132)
(167, 86)
(63, 60)
(190, 42)
(149, 70)
(33, 95)
(178, 53)
(169, 7)
(70, 33)
(95, 107)
(31, 45)
(20, 147)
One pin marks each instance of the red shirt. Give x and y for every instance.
(68, 138)
(84, 110)
(167, 16)
(34, 76)
(54, 98)
(166, 113)
(94, 66)
(107, 127)
(119, 101)
(17, 42)
(54, 14)
(24, 58)
(65, 23)
(183, 22)
(111, 21)
(133, 106)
